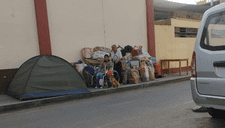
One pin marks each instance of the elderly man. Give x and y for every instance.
(117, 57)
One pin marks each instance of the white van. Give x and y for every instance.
(208, 62)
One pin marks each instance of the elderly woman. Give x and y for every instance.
(117, 57)
(105, 66)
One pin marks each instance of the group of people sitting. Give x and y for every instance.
(109, 64)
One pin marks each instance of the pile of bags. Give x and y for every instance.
(98, 52)
(128, 51)
(130, 73)
(144, 73)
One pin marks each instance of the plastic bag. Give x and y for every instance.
(137, 50)
(99, 55)
(146, 54)
(151, 70)
(128, 56)
(80, 67)
(86, 52)
(128, 48)
(101, 82)
(144, 72)
(126, 69)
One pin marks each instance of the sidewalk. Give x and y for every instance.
(8, 103)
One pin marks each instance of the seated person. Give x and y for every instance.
(103, 68)
(87, 73)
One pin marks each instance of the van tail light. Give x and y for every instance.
(193, 65)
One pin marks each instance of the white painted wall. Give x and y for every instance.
(18, 33)
(75, 24)
(125, 22)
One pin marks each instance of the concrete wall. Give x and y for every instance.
(185, 23)
(18, 33)
(75, 24)
(164, 42)
(184, 46)
(183, 49)
(125, 22)
(170, 47)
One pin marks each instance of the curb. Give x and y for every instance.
(59, 99)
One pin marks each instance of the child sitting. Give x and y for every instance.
(103, 68)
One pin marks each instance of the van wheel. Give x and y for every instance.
(216, 113)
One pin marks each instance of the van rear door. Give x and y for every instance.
(210, 56)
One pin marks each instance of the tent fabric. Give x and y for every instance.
(45, 76)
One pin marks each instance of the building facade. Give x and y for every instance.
(62, 28)
(175, 39)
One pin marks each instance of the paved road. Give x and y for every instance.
(165, 106)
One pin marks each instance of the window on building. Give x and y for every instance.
(186, 32)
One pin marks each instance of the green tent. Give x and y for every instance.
(46, 76)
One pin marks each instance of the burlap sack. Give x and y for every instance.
(151, 73)
(134, 76)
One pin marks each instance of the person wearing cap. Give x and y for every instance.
(116, 56)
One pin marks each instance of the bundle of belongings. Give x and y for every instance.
(134, 76)
(125, 70)
(137, 64)
(100, 52)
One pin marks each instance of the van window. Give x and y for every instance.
(213, 37)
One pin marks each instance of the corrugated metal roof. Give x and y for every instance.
(162, 8)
